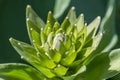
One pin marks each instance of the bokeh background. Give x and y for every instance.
(13, 23)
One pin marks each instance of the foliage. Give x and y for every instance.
(67, 51)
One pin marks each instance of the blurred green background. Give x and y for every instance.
(13, 24)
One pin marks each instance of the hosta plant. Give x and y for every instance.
(61, 51)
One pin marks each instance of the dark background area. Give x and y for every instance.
(13, 23)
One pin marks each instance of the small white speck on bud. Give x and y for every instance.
(101, 33)
(72, 43)
(98, 17)
(10, 39)
(60, 28)
(42, 46)
(53, 48)
(73, 50)
(50, 12)
(58, 65)
(28, 19)
(67, 18)
(28, 6)
(85, 24)
(49, 28)
(75, 24)
(19, 43)
(81, 14)
(50, 48)
(56, 22)
(63, 32)
(66, 52)
(41, 29)
(22, 57)
(33, 41)
(31, 29)
(48, 21)
(45, 79)
(73, 8)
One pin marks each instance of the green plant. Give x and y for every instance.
(66, 51)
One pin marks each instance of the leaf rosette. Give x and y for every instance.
(62, 51)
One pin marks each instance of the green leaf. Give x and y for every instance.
(28, 53)
(114, 68)
(75, 32)
(94, 44)
(82, 34)
(34, 33)
(60, 70)
(74, 76)
(50, 23)
(39, 61)
(96, 68)
(56, 26)
(17, 71)
(84, 53)
(81, 38)
(108, 28)
(47, 72)
(80, 22)
(72, 15)
(92, 28)
(69, 30)
(103, 66)
(67, 42)
(43, 37)
(60, 7)
(50, 39)
(30, 13)
(68, 60)
(57, 57)
(65, 24)
(50, 18)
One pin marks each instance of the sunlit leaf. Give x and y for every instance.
(74, 76)
(34, 33)
(72, 15)
(104, 66)
(17, 71)
(92, 28)
(30, 13)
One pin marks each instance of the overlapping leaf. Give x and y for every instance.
(17, 71)
(104, 66)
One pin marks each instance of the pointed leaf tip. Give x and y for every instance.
(27, 19)
(18, 71)
(99, 17)
(10, 39)
(81, 14)
(73, 8)
(93, 27)
(80, 22)
(33, 17)
(28, 6)
(50, 12)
